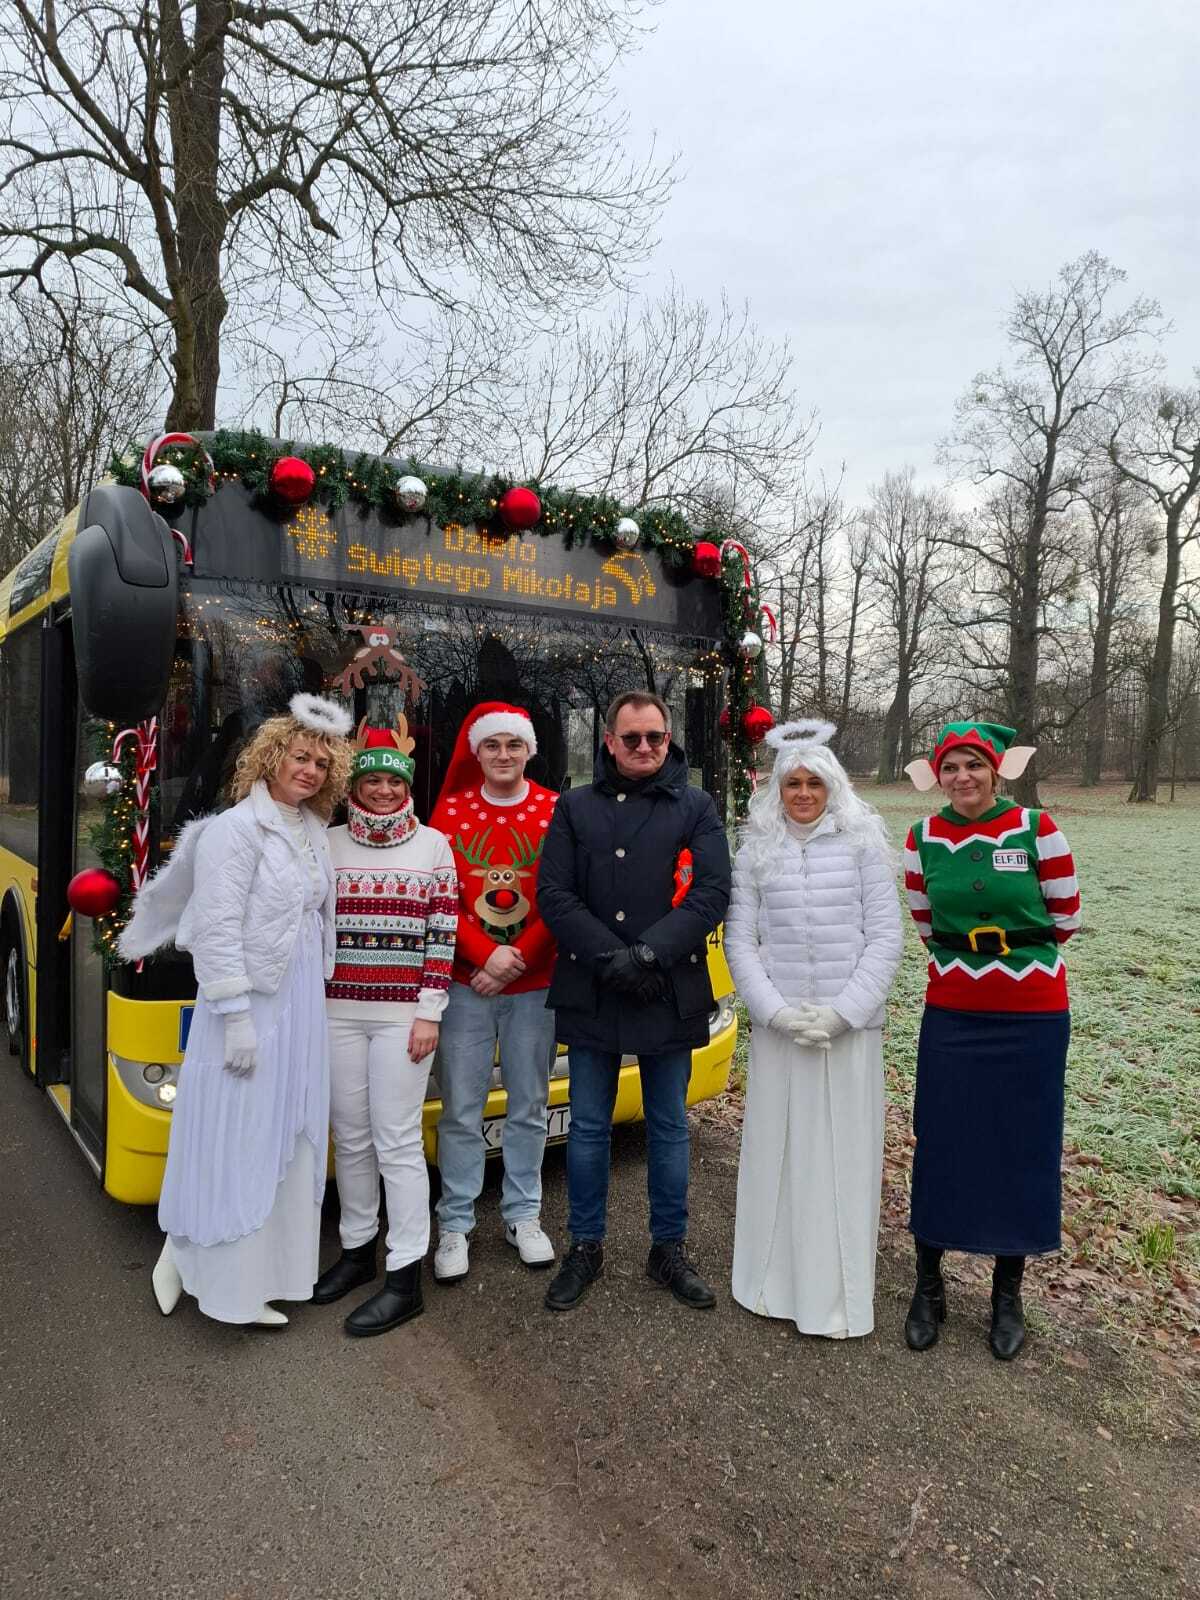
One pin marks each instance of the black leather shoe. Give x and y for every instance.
(928, 1308)
(1007, 1333)
(398, 1301)
(352, 1268)
(669, 1267)
(583, 1264)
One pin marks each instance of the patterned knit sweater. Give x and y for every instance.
(497, 847)
(1010, 869)
(397, 908)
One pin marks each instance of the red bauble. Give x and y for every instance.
(519, 508)
(706, 560)
(292, 480)
(93, 892)
(757, 724)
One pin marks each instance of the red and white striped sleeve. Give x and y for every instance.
(914, 887)
(1056, 877)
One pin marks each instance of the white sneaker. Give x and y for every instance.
(530, 1242)
(165, 1281)
(452, 1260)
(268, 1317)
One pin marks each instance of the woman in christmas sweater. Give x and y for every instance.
(397, 898)
(992, 889)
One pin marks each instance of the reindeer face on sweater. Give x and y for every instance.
(501, 905)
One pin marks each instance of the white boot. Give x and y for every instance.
(268, 1317)
(165, 1280)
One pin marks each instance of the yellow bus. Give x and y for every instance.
(198, 611)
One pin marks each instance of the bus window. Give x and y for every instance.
(20, 739)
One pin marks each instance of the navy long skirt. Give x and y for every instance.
(988, 1118)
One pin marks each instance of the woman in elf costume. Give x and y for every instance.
(992, 889)
(397, 909)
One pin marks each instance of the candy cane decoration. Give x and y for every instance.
(772, 628)
(181, 539)
(739, 550)
(161, 443)
(146, 735)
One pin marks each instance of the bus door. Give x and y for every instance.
(89, 987)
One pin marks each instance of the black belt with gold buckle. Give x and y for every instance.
(990, 939)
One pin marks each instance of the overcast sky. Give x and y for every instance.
(878, 178)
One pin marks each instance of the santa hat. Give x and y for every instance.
(991, 740)
(384, 750)
(486, 721)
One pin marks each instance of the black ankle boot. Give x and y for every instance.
(668, 1265)
(352, 1268)
(928, 1307)
(582, 1265)
(1007, 1333)
(398, 1301)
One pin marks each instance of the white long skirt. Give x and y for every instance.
(241, 1198)
(807, 1224)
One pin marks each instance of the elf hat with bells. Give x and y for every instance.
(384, 750)
(991, 740)
(482, 722)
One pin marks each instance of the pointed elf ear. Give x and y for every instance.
(922, 774)
(1015, 759)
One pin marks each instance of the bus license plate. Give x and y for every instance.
(558, 1120)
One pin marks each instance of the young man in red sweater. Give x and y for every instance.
(496, 821)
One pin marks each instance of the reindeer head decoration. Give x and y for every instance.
(501, 905)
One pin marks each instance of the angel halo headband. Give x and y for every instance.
(321, 716)
(806, 731)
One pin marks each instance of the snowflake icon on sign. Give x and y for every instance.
(312, 533)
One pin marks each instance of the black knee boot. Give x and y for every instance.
(353, 1267)
(928, 1307)
(1007, 1333)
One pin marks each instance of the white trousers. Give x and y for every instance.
(376, 1096)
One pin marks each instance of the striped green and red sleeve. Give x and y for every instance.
(1056, 877)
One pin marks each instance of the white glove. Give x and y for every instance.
(828, 1022)
(793, 1019)
(241, 1044)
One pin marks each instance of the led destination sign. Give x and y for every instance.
(235, 537)
(524, 570)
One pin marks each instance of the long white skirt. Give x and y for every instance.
(807, 1224)
(241, 1197)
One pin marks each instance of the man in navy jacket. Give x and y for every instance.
(632, 977)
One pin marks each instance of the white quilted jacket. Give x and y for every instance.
(824, 927)
(233, 894)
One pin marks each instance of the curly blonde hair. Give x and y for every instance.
(261, 758)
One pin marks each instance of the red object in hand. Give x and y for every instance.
(706, 560)
(292, 480)
(93, 892)
(519, 508)
(757, 724)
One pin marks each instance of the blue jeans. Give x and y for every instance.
(593, 1086)
(472, 1025)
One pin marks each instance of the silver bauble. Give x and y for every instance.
(751, 645)
(626, 533)
(411, 493)
(101, 779)
(167, 484)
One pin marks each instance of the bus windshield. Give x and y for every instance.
(243, 650)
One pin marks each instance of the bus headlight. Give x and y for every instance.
(167, 1093)
(154, 1072)
(723, 1017)
(151, 1083)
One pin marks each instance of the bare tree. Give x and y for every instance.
(910, 570)
(1021, 433)
(1155, 445)
(71, 391)
(1114, 551)
(798, 575)
(187, 151)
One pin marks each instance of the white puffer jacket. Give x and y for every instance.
(233, 894)
(824, 927)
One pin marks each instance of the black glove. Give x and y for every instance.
(633, 971)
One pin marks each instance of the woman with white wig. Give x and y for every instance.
(813, 939)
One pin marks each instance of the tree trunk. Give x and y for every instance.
(893, 730)
(1097, 720)
(1145, 782)
(198, 300)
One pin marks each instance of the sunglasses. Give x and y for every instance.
(631, 741)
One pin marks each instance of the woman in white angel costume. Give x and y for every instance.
(813, 939)
(249, 893)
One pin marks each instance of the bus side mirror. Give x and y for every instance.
(124, 601)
